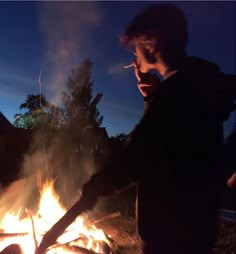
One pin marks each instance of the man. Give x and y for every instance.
(174, 150)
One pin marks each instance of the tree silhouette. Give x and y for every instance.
(80, 106)
(38, 113)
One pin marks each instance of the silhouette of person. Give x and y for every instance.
(174, 151)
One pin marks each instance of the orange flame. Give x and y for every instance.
(79, 233)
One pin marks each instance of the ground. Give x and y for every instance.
(123, 231)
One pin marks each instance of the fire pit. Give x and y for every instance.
(22, 232)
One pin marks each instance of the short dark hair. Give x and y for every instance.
(163, 23)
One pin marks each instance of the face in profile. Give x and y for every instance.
(143, 55)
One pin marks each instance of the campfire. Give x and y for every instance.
(22, 232)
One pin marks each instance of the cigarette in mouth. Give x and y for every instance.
(129, 66)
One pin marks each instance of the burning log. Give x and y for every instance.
(19, 235)
(33, 227)
(59, 227)
(12, 249)
(57, 245)
(80, 250)
(72, 247)
(107, 217)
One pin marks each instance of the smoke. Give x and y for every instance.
(55, 157)
(116, 68)
(66, 28)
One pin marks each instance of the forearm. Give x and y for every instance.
(120, 172)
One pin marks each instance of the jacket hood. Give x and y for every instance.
(198, 66)
(209, 83)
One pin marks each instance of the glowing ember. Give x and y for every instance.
(28, 232)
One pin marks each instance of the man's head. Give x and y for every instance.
(159, 31)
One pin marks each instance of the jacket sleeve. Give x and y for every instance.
(132, 163)
(147, 101)
(227, 90)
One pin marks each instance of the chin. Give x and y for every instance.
(144, 70)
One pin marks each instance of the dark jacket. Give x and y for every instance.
(174, 154)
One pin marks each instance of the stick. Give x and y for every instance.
(77, 249)
(56, 245)
(80, 250)
(33, 227)
(8, 235)
(58, 228)
(107, 217)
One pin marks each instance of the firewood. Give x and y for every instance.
(59, 227)
(107, 217)
(8, 235)
(29, 213)
(12, 249)
(56, 245)
(79, 250)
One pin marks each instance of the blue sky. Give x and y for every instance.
(54, 37)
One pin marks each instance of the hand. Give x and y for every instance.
(231, 182)
(88, 196)
(147, 82)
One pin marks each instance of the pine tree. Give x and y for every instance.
(80, 106)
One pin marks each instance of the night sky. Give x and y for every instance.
(54, 37)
